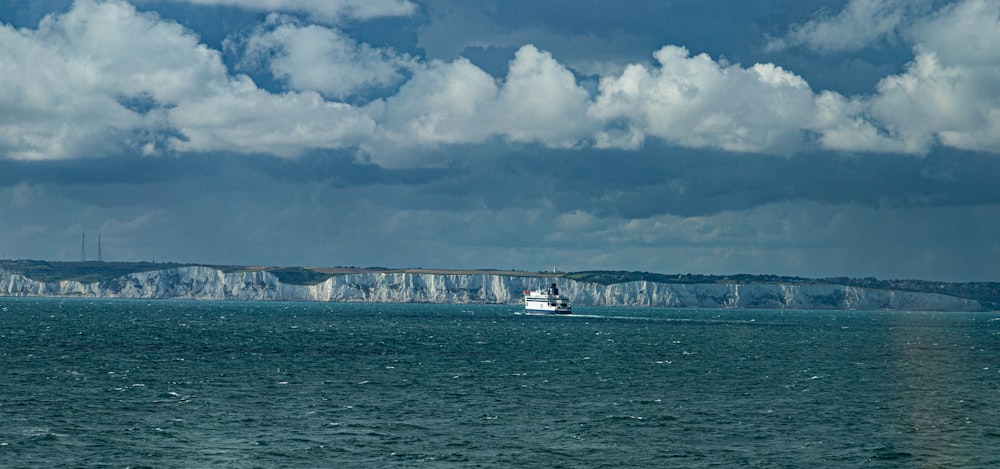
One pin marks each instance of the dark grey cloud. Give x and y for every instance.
(663, 180)
(498, 213)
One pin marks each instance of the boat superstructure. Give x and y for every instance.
(546, 301)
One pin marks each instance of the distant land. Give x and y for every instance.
(383, 284)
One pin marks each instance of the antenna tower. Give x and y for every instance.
(100, 257)
(83, 247)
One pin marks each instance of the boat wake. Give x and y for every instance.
(649, 318)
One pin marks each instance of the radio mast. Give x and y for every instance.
(100, 257)
(83, 247)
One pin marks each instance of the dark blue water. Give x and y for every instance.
(220, 384)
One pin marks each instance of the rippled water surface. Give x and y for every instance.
(225, 384)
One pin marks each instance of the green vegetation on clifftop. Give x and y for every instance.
(84, 272)
(986, 293)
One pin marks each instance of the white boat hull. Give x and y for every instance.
(547, 301)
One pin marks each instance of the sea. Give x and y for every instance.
(204, 384)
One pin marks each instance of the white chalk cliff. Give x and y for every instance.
(206, 283)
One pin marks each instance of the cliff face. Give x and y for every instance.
(206, 283)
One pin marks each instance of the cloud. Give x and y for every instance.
(965, 33)
(948, 93)
(690, 101)
(541, 102)
(769, 238)
(245, 119)
(657, 147)
(21, 195)
(660, 209)
(456, 102)
(860, 24)
(444, 102)
(65, 81)
(700, 103)
(316, 58)
(847, 126)
(103, 79)
(325, 10)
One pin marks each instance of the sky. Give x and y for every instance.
(856, 138)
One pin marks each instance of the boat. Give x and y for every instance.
(546, 301)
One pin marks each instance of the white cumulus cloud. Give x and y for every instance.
(698, 102)
(456, 102)
(444, 102)
(103, 78)
(949, 93)
(541, 101)
(66, 82)
(317, 58)
(245, 119)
